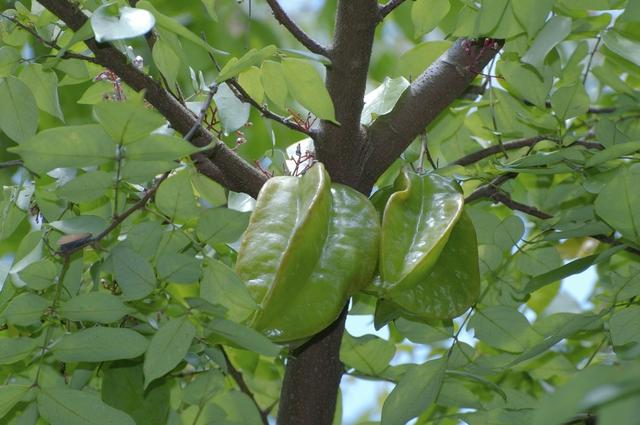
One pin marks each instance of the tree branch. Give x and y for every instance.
(516, 144)
(243, 96)
(431, 93)
(340, 147)
(12, 163)
(237, 376)
(312, 377)
(388, 7)
(284, 19)
(492, 191)
(231, 166)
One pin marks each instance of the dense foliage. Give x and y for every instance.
(129, 168)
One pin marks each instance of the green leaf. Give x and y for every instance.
(427, 14)
(204, 387)
(70, 146)
(417, 390)
(243, 336)
(612, 152)
(525, 82)
(87, 187)
(563, 325)
(554, 31)
(221, 285)
(571, 268)
(97, 307)
(569, 102)
(123, 389)
(15, 349)
(110, 22)
(158, 147)
(44, 86)
(382, 99)
(63, 406)
(167, 348)
(479, 379)
(210, 5)
(622, 46)
(250, 81)
(619, 203)
(233, 113)
(172, 25)
(10, 395)
(532, 13)
(39, 275)
(10, 218)
(421, 333)
(275, 86)
(253, 57)
(178, 268)
(624, 326)
(175, 197)
(19, 118)
(80, 224)
(595, 386)
(306, 86)
(100, 344)
(221, 225)
(127, 122)
(133, 273)
(504, 328)
(9, 59)
(166, 60)
(368, 354)
(25, 310)
(508, 233)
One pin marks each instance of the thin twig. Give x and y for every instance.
(516, 144)
(51, 44)
(388, 7)
(490, 188)
(118, 219)
(593, 53)
(237, 376)
(284, 19)
(244, 97)
(213, 89)
(492, 191)
(12, 163)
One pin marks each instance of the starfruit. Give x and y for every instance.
(428, 249)
(309, 246)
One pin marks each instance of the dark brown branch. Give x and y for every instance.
(388, 7)
(237, 376)
(230, 165)
(430, 94)
(492, 191)
(12, 163)
(341, 147)
(516, 144)
(284, 19)
(490, 188)
(311, 380)
(474, 157)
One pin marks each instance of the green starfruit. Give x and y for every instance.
(309, 246)
(428, 250)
